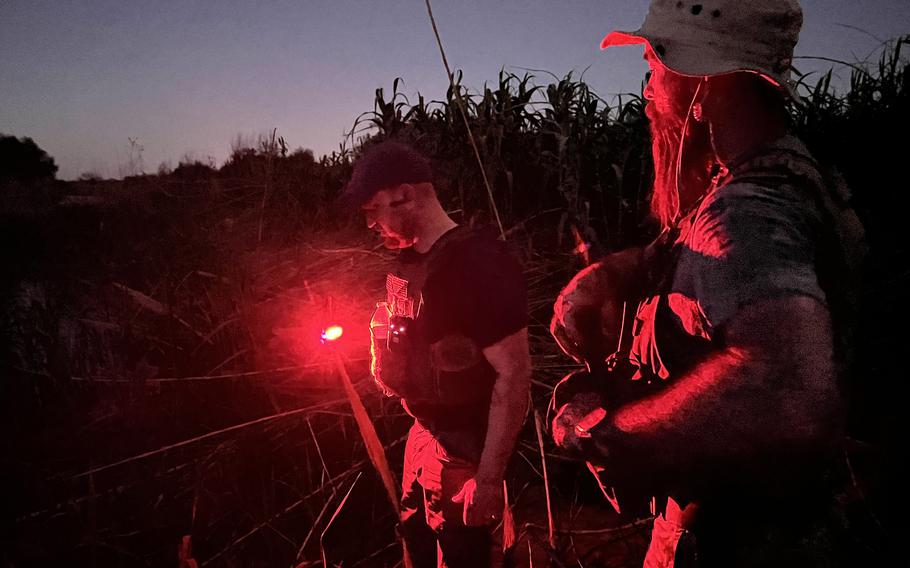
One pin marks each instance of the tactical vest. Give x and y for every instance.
(448, 372)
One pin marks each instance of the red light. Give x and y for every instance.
(332, 333)
(582, 247)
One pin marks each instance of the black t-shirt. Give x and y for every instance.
(473, 287)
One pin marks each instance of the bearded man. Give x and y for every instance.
(733, 348)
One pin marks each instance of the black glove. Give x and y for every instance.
(579, 404)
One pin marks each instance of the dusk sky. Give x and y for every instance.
(186, 77)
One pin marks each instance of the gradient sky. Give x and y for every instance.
(186, 77)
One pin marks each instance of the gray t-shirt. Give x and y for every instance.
(748, 241)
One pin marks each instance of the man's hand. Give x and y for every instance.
(574, 421)
(483, 502)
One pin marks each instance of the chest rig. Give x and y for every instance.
(417, 359)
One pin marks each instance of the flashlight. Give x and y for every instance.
(398, 332)
(331, 333)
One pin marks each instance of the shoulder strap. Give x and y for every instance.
(457, 235)
(417, 274)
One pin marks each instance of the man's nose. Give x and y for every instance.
(371, 220)
(648, 93)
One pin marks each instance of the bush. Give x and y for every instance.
(21, 160)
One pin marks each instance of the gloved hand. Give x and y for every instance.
(576, 383)
(581, 401)
(587, 314)
(574, 421)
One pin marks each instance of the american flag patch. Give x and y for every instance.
(397, 296)
(395, 287)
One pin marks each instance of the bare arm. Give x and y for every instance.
(482, 496)
(771, 386)
(511, 359)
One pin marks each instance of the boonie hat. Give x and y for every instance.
(717, 37)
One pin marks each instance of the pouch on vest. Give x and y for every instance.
(660, 261)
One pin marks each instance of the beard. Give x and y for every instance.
(666, 133)
(401, 236)
(396, 242)
(671, 196)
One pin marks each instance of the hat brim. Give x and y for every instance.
(347, 202)
(352, 197)
(622, 38)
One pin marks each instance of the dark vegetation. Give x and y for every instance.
(147, 322)
(21, 160)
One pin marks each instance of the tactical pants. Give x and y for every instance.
(672, 545)
(431, 524)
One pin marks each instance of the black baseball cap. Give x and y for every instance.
(384, 165)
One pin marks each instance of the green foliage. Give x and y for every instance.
(557, 148)
(863, 134)
(560, 146)
(838, 126)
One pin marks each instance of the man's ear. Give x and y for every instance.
(400, 195)
(719, 96)
(408, 193)
(698, 101)
(417, 192)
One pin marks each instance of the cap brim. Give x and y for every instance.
(622, 38)
(348, 200)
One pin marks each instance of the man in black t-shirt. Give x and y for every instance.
(451, 341)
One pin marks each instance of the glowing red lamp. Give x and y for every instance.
(332, 333)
